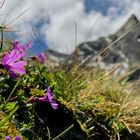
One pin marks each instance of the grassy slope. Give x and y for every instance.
(103, 104)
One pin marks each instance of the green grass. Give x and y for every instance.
(102, 103)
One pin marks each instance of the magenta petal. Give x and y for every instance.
(5, 58)
(13, 74)
(16, 45)
(19, 64)
(20, 49)
(19, 54)
(49, 94)
(54, 105)
(7, 138)
(43, 99)
(17, 138)
(12, 57)
(19, 70)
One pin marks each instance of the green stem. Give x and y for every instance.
(2, 36)
(64, 132)
(10, 94)
(3, 121)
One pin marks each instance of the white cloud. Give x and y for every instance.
(59, 33)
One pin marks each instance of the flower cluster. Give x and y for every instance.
(14, 63)
(12, 60)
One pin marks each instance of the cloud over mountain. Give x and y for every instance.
(55, 20)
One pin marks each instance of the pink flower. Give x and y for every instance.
(20, 48)
(40, 58)
(7, 138)
(11, 62)
(16, 138)
(47, 98)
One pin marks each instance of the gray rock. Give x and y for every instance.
(134, 75)
(129, 44)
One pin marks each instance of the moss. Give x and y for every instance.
(37, 92)
(8, 129)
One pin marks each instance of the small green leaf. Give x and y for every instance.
(10, 106)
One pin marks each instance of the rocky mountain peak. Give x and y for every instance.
(124, 52)
(130, 23)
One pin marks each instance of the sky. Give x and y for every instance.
(62, 24)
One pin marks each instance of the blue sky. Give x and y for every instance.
(54, 21)
(97, 5)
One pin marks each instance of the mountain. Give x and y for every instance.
(125, 52)
(130, 44)
(55, 58)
